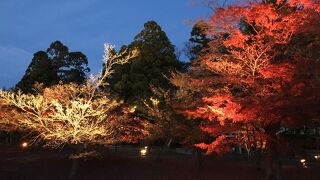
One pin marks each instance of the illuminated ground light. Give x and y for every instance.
(143, 151)
(304, 163)
(317, 157)
(24, 145)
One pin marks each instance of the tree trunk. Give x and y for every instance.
(199, 158)
(240, 149)
(168, 143)
(273, 155)
(257, 159)
(273, 165)
(75, 161)
(164, 149)
(74, 168)
(10, 137)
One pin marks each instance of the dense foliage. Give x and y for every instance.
(259, 76)
(254, 76)
(156, 59)
(74, 114)
(55, 65)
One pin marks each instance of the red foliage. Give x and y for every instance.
(283, 71)
(258, 88)
(219, 145)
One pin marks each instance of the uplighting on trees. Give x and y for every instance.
(75, 114)
(261, 73)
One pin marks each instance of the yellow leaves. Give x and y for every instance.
(59, 121)
(154, 101)
(215, 110)
(224, 67)
(110, 59)
(71, 113)
(132, 109)
(152, 104)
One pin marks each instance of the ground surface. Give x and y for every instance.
(33, 164)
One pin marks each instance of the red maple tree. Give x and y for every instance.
(264, 65)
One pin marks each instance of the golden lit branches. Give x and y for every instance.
(111, 59)
(73, 114)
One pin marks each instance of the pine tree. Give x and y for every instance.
(55, 65)
(155, 60)
(198, 41)
(40, 70)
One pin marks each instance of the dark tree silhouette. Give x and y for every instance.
(198, 40)
(155, 60)
(55, 65)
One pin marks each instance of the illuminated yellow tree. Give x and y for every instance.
(77, 114)
(7, 125)
(72, 114)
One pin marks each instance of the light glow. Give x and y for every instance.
(143, 151)
(304, 163)
(24, 145)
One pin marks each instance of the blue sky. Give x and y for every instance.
(28, 26)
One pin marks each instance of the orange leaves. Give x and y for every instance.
(224, 67)
(262, 15)
(222, 108)
(254, 32)
(237, 39)
(218, 145)
(214, 109)
(307, 4)
(283, 71)
(226, 19)
(265, 73)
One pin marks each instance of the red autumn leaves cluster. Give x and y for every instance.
(266, 78)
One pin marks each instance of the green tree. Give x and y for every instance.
(40, 70)
(55, 65)
(198, 41)
(156, 59)
(70, 66)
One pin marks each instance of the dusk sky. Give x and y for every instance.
(28, 26)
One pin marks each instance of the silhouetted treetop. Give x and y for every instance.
(55, 65)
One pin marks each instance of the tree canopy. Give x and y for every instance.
(73, 114)
(266, 80)
(198, 40)
(55, 65)
(155, 60)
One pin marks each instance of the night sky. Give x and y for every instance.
(27, 26)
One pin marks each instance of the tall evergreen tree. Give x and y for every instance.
(198, 40)
(55, 65)
(155, 60)
(70, 66)
(40, 70)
